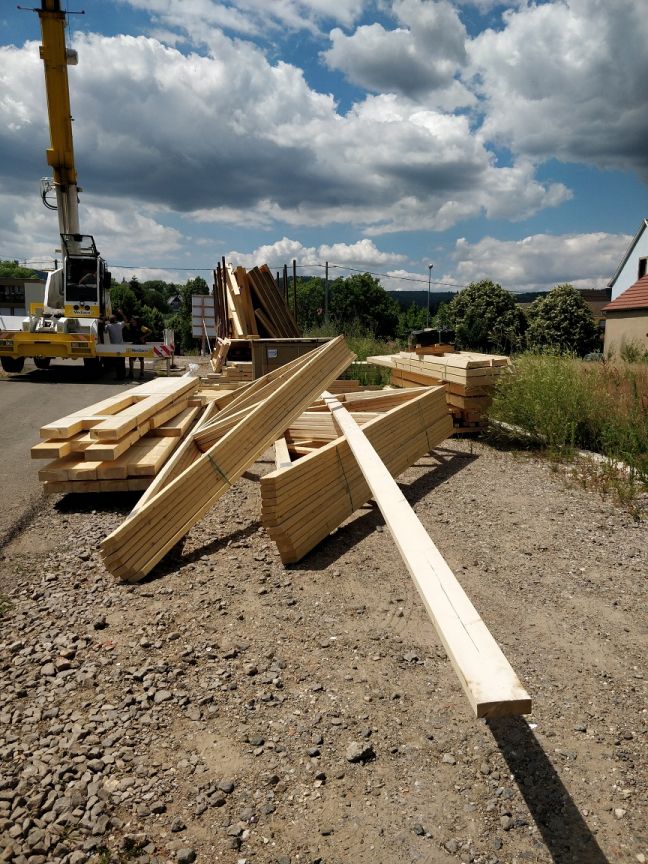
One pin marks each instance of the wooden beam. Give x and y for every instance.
(282, 456)
(490, 683)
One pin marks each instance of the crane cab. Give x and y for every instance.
(86, 281)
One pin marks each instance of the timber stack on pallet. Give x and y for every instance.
(469, 378)
(250, 305)
(119, 444)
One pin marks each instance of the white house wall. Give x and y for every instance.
(630, 273)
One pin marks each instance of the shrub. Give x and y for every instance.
(562, 321)
(486, 318)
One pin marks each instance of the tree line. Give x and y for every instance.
(483, 316)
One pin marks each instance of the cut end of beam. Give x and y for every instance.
(504, 708)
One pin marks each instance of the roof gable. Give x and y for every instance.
(628, 253)
(634, 297)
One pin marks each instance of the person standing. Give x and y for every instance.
(138, 334)
(115, 331)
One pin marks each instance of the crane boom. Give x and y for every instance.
(56, 58)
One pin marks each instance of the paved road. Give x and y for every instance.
(27, 401)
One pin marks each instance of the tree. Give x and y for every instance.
(310, 301)
(13, 268)
(486, 318)
(562, 321)
(412, 318)
(361, 299)
(443, 318)
(123, 297)
(152, 318)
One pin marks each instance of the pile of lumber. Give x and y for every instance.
(215, 456)
(347, 449)
(120, 443)
(469, 379)
(303, 501)
(249, 305)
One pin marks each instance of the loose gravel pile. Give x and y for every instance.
(229, 709)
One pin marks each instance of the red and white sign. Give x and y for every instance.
(162, 350)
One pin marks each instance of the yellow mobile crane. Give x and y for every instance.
(78, 293)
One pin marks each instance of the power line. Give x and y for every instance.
(301, 266)
(276, 267)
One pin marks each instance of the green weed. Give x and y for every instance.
(565, 404)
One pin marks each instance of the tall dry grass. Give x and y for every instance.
(569, 404)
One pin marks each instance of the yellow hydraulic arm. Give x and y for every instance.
(56, 58)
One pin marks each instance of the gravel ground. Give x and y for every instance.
(229, 709)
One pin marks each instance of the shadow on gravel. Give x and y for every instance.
(444, 464)
(104, 502)
(177, 558)
(563, 829)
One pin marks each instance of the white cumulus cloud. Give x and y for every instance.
(568, 80)
(540, 261)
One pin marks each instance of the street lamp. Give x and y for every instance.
(430, 266)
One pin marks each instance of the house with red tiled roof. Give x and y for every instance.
(627, 318)
(634, 263)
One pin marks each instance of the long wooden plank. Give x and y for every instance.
(141, 541)
(492, 687)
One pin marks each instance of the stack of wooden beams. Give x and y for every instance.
(253, 307)
(274, 318)
(216, 455)
(238, 370)
(118, 444)
(303, 501)
(469, 378)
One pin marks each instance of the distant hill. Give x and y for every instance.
(406, 298)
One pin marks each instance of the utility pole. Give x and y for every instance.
(430, 266)
(326, 297)
(295, 288)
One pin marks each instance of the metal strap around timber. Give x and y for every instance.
(218, 469)
(346, 482)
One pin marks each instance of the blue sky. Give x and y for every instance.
(502, 141)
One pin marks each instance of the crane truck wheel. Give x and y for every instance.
(12, 364)
(42, 362)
